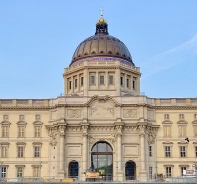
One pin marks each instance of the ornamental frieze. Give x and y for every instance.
(74, 113)
(129, 113)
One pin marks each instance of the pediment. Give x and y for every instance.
(102, 99)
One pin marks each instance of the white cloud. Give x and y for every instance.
(185, 52)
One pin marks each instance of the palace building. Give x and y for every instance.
(102, 121)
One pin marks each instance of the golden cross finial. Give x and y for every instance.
(101, 10)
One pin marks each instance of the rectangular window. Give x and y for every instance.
(5, 117)
(167, 131)
(37, 117)
(37, 131)
(150, 173)
(101, 80)
(196, 151)
(150, 151)
(182, 131)
(167, 151)
(182, 151)
(195, 130)
(121, 81)
(36, 171)
(4, 131)
(128, 83)
(20, 151)
(181, 116)
(195, 116)
(81, 81)
(19, 172)
(21, 132)
(21, 117)
(166, 116)
(111, 79)
(37, 151)
(182, 169)
(168, 172)
(75, 83)
(70, 84)
(92, 80)
(134, 81)
(4, 151)
(3, 172)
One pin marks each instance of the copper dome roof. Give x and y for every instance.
(101, 44)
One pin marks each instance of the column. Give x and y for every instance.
(142, 151)
(86, 79)
(72, 85)
(61, 153)
(97, 80)
(85, 147)
(62, 134)
(117, 81)
(78, 83)
(106, 81)
(119, 152)
(65, 85)
(143, 173)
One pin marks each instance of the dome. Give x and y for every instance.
(101, 44)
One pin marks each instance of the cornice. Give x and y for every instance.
(175, 107)
(26, 108)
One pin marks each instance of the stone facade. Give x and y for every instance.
(55, 138)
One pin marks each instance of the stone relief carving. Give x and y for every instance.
(111, 138)
(152, 133)
(74, 113)
(129, 113)
(61, 130)
(101, 109)
(142, 129)
(118, 130)
(52, 132)
(84, 130)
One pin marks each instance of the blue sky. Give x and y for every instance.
(38, 38)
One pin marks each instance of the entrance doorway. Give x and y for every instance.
(73, 169)
(102, 160)
(130, 170)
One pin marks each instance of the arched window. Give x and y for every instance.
(102, 160)
(130, 170)
(73, 169)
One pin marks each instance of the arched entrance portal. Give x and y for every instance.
(73, 169)
(130, 170)
(102, 160)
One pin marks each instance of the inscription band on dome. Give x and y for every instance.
(102, 59)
